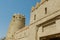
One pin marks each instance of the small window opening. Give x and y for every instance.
(13, 16)
(46, 0)
(34, 17)
(19, 17)
(46, 10)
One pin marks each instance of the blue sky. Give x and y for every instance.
(9, 7)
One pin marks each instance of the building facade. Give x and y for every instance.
(44, 23)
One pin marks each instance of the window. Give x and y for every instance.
(34, 17)
(12, 35)
(46, 0)
(13, 16)
(19, 17)
(46, 10)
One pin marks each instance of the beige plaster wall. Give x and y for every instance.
(52, 6)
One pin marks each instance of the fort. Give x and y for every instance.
(44, 23)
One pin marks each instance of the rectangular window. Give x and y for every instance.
(34, 17)
(46, 0)
(46, 10)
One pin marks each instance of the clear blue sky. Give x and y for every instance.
(9, 7)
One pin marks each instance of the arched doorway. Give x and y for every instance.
(56, 38)
(51, 37)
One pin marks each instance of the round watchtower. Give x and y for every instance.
(17, 22)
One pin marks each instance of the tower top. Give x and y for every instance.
(20, 15)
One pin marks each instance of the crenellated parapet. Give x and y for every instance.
(38, 5)
(33, 8)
